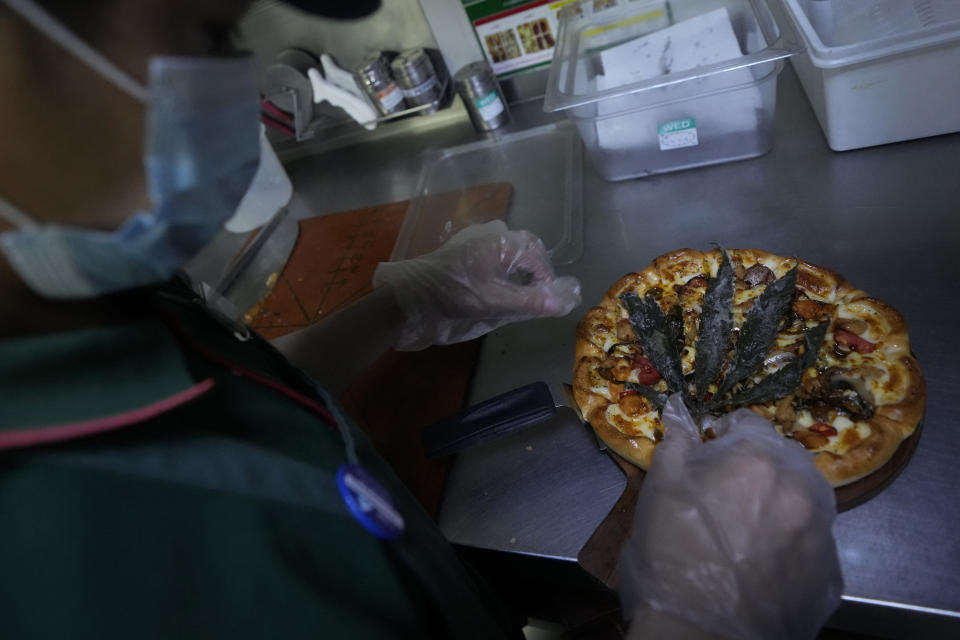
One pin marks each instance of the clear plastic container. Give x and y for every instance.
(879, 71)
(663, 86)
(531, 179)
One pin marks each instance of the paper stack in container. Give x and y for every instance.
(656, 87)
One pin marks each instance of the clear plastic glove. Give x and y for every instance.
(484, 277)
(732, 536)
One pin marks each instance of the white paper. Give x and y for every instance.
(701, 40)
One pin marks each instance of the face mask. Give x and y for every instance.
(202, 150)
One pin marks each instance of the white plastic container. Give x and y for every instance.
(900, 83)
(655, 86)
(540, 170)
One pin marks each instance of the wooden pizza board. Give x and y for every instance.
(601, 553)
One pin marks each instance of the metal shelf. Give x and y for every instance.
(317, 125)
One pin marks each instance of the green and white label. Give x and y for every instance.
(678, 134)
(489, 106)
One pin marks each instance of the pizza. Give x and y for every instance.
(827, 364)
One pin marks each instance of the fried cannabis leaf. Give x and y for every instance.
(759, 330)
(652, 328)
(661, 337)
(716, 323)
(675, 324)
(784, 381)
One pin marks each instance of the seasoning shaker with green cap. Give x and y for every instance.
(481, 94)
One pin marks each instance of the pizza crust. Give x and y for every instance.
(586, 399)
(908, 413)
(890, 424)
(636, 449)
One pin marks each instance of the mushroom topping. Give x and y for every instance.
(848, 393)
(758, 274)
(853, 325)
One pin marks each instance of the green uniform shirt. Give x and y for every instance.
(164, 479)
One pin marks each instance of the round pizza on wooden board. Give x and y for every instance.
(827, 364)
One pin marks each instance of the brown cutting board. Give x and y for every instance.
(333, 261)
(331, 265)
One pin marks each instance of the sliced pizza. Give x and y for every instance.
(829, 365)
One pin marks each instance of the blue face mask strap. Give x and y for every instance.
(56, 31)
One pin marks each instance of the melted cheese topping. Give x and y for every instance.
(742, 296)
(643, 424)
(886, 381)
(601, 386)
(877, 328)
(598, 385)
(849, 433)
(687, 358)
(880, 370)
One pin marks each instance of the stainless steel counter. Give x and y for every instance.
(887, 218)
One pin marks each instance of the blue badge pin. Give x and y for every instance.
(369, 502)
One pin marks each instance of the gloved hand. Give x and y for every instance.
(484, 277)
(732, 536)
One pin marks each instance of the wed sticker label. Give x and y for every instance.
(678, 134)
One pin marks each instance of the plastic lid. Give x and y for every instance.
(843, 32)
(373, 69)
(597, 59)
(474, 69)
(530, 179)
(412, 65)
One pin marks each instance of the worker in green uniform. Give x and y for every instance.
(162, 472)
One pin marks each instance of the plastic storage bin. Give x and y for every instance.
(663, 86)
(531, 179)
(878, 72)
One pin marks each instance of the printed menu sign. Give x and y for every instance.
(515, 35)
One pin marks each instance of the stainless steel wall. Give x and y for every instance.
(453, 32)
(269, 27)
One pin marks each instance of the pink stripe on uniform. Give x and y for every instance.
(289, 393)
(20, 438)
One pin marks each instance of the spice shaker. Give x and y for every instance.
(373, 74)
(416, 77)
(481, 94)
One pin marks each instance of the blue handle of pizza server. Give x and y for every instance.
(506, 413)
